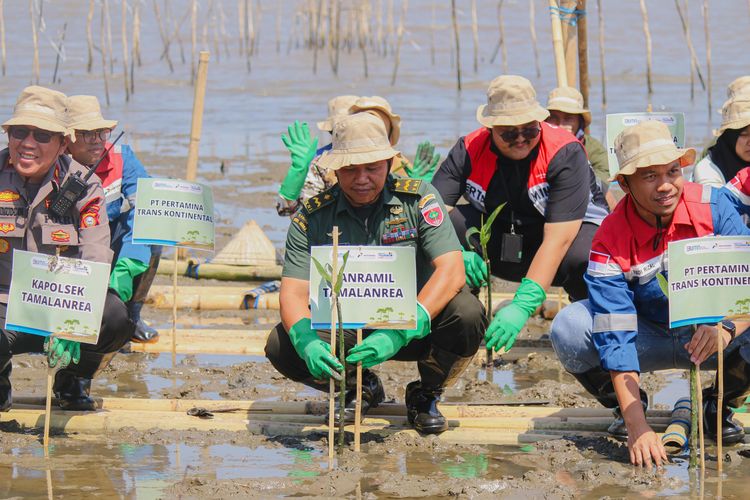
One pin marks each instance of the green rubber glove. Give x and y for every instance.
(425, 162)
(476, 269)
(61, 352)
(382, 345)
(123, 274)
(316, 353)
(509, 320)
(302, 149)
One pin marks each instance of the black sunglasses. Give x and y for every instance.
(528, 133)
(40, 136)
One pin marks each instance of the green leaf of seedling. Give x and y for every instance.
(491, 220)
(469, 233)
(340, 278)
(663, 284)
(326, 275)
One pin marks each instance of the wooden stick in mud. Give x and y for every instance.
(48, 405)
(719, 400)
(125, 64)
(583, 53)
(104, 56)
(694, 65)
(363, 36)
(694, 389)
(358, 404)
(647, 34)
(458, 44)
(35, 41)
(602, 72)
(174, 307)
(708, 57)
(699, 393)
(163, 35)
(557, 45)
(334, 321)
(90, 37)
(315, 36)
(136, 36)
(570, 38)
(532, 30)
(58, 50)
(400, 37)
(475, 34)
(109, 38)
(500, 47)
(197, 120)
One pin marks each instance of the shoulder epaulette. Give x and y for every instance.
(319, 201)
(406, 185)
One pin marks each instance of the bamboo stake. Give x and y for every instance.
(174, 308)
(694, 65)
(137, 34)
(222, 26)
(647, 34)
(193, 38)
(104, 56)
(694, 389)
(363, 35)
(215, 32)
(557, 45)
(59, 51)
(475, 34)
(2, 33)
(90, 37)
(48, 406)
(337, 37)
(401, 20)
(248, 33)
(389, 28)
(603, 75)
(532, 29)
(35, 41)
(720, 401)
(315, 39)
(177, 28)
(379, 35)
(699, 393)
(197, 120)
(501, 40)
(241, 20)
(163, 35)
(334, 321)
(109, 37)
(358, 404)
(570, 38)
(458, 45)
(708, 58)
(125, 64)
(583, 53)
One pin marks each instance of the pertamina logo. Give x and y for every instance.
(8, 196)
(60, 236)
(6, 227)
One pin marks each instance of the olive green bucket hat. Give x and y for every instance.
(40, 107)
(337, 107)
(511, 101)
(568, 100)
(646, 144)
(84, 113)
(357, 139)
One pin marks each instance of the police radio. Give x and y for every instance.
(75, 185)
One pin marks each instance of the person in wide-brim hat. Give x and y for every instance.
(85, 113)
(40, 107)
(337, 107)
(382, 108)
(511, 101)
(358, 139)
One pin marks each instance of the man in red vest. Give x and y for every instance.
(553, 204)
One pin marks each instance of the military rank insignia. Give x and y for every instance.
(300, 221)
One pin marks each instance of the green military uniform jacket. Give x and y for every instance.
(597, 154)
(409, 212)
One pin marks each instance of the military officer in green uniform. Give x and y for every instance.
(370, 207)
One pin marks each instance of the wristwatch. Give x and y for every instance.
(730, 327)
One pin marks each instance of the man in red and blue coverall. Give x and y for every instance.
(739, 188)
(622, 329)
(133, 266)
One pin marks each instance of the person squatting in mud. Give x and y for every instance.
(605, 342)
(553, 204)
(34, 165)
(307, 178)
(134, 265)
(372, 207)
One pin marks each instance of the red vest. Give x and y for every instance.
(484, 164)
(110, 172)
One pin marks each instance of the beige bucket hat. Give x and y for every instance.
(42, 108)
(568, 100)
(511, 101)
(648, 143)
(337, 107)
(735, 113)
(84, 113)
(382, 108)
(738, 86)
(357, 139)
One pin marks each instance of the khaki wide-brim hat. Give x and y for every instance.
(735, 114)
(383, 108)
(739, 86)
(511, 101)
(357, 139)
(40, 107)
(84, 113)
(646, 144)
(337, 107)
(568, 100)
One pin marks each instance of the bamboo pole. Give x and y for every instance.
(48, 407)
(720, 400)
(475, 34)
(694, 65)
(137, 35)
(602, 71)
(2, 33)
(390, 28)
(108, 21)
(699, 393)
(59, 51)
(193, 38)
(90, 37)
(532, 30)
(174, 308)
(35, 41)
(221, 271)
(334, 321)
(570, 38)
(125, 64)
(500, 47)
(557, 45)
(358, 404)
(197, 120)
(583, 52)
(458, 44)
(647, 34)
(163, 35)
(103, 50)
(242, 23)
(248, 33)
(400, 37)
(315, 40)
(707, 34)
(694, 389)
(337, 36)
(379, 23)
(363, 36)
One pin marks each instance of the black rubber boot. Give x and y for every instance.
(598, 383)
(73, 384)
(437, 371)
(6, 393)
(736, 389)
(143, 333)
(372, 395)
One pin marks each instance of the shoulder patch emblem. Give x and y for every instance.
(407, 185)
(433, 214)
(318, 201)
(9, 196)
(300, 221)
